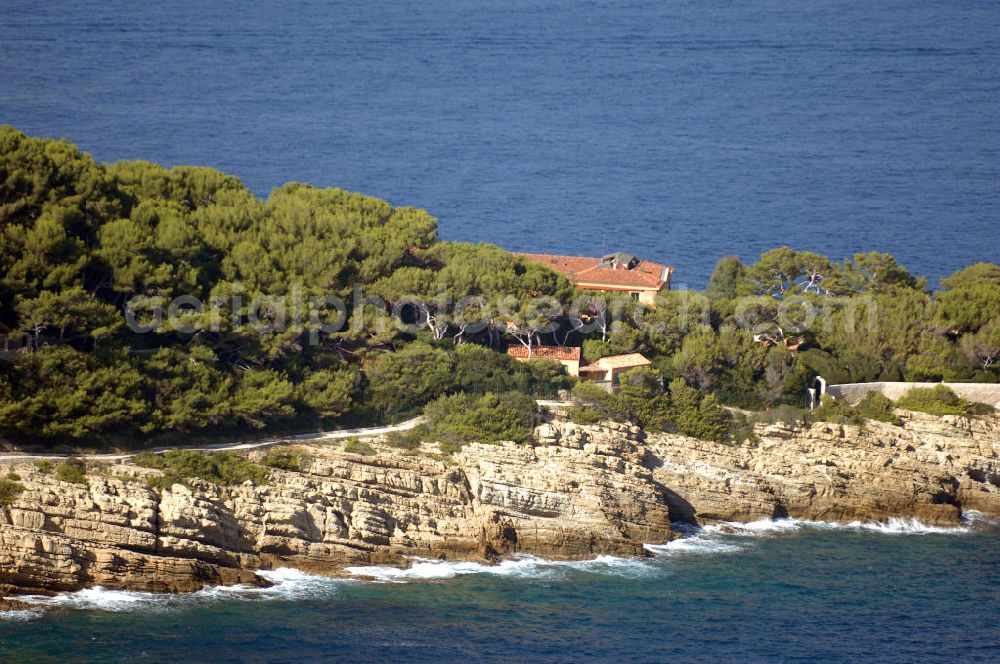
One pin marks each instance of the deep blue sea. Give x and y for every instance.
(780, 592)
(681, 130)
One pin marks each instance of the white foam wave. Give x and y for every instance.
(21, 615)
(908, 527)
(292, 583)
(696, 544)
(759, 527)
(98, 598)
(980, 521)
(628, 567)
(523, 567)
(762, 527)
(725, 536)
(287, 584)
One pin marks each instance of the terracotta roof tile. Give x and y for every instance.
(551, 352)
(585, 271)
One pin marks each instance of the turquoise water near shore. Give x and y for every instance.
(781, 591)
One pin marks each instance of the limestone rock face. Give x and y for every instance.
(582, 492)
(930, 468)
(61, 536)
(576, 492)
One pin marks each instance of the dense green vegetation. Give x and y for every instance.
(760, 333)
(82, 244)
(461, 418)
(643, 401)
(454, 420)
(140, 301)
(409, 439)
(875, 406)
(863, 320)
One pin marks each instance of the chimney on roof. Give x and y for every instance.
(619, 261)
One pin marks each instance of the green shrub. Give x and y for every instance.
(164, 481)
(9, 491)
(583, 415)
(409, 439)
(44, 466)
(784, 414)
(743, 430)
(73, 471)
(643, 401)
(980, 409)
(129, 477)
(451, 446)
(234, 469)
(149, 460)
(641, 393)
(461, 418)
(592, 403)
(290, 460)
(355, 446)
(877, 406)
(707, 422)
(13, 477)
(225, 468)
(937, 400)
(696, 415)
(832, 410)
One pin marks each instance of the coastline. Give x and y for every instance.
(290, 584)
(577, 493)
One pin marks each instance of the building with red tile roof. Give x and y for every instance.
(619, 272)
(567, 356)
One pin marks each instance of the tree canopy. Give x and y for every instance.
(228, 297)
(138, 300)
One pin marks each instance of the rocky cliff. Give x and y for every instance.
(930, 468)
(579, 491)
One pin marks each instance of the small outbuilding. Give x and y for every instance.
(608, 370)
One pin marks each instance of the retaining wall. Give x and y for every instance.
(855, 392)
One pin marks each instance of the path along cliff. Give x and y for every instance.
(576, 492)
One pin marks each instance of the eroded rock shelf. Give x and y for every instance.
(578, 492)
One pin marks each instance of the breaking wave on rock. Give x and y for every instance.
(892, 526)
(522, 567)
(288, 584)
(292, 584)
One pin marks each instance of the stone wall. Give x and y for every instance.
(854, 392)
